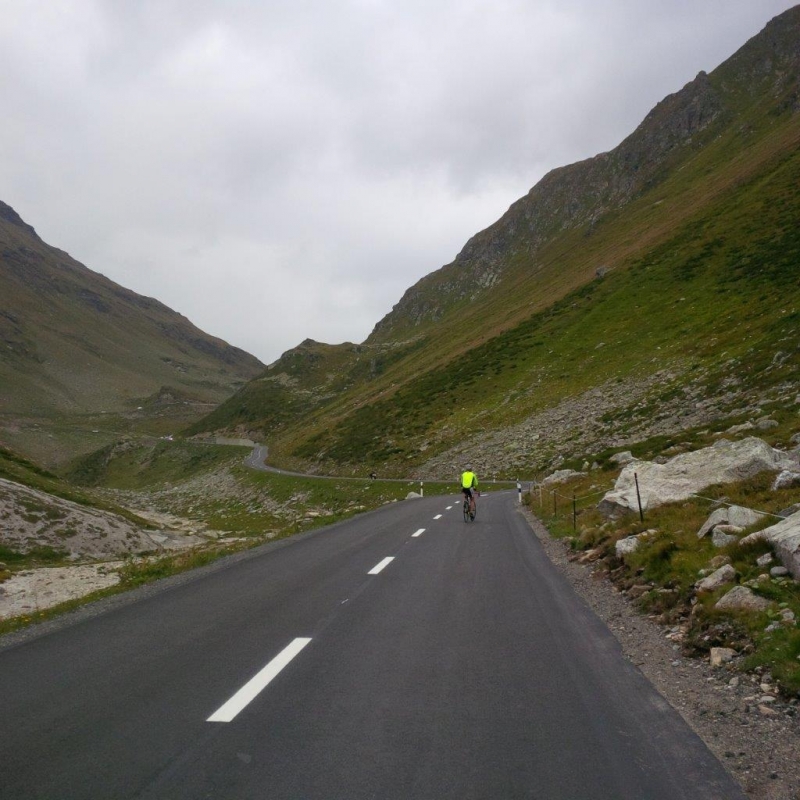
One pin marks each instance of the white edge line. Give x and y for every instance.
(378, 567)
(248, 692)
(419, 532)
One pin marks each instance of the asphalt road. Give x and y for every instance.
(466, 667)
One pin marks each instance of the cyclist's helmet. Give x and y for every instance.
(469, 467)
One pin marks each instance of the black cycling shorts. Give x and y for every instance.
(467, 491)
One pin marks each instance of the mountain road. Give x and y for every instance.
(401, 654)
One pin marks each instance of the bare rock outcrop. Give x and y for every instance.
(34, 519)
(690, 473)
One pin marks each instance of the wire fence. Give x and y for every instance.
(574, 500)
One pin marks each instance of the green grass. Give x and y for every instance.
(717, 297)
(702, 282)
(672, 557)
(249, 521)
(138, 465)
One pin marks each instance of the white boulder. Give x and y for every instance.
(626, 546)
(721, 655)
(560, 476)
(724, 575)
(622, 458)
(734, 515)
(785, 540)
(786, 480)
(740, 598)
(724, 535)
(689, 473)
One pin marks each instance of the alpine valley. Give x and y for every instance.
(632, 323)
(83, 360)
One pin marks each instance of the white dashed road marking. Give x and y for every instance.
(257, 683)
(378, 567)
(419, 532)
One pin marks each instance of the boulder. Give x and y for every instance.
(779, 572)
(740, 598)
(689, 473)
(721, 655)
(784, 537)
(622, 458)
(734, 515)
(786, 480)
(412, 496)
(591, 555)
(720, 539)
(724, 575)
(765, 424)
(626, 546)
(561, 475)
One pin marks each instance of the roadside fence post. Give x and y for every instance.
(638, 497)
(519, 491)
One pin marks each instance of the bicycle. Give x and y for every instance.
(469, 516)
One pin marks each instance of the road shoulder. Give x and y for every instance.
(760, 752)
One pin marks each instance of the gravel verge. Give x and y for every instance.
(761, 749)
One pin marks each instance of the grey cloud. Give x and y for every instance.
(280, 170)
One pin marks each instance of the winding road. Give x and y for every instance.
(400, 654)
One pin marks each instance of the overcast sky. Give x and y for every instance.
(283, 170)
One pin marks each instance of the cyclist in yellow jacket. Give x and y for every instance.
(469, 481)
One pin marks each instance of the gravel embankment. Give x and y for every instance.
(761, 751)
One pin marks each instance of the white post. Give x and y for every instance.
(519, 492)
(421, 490)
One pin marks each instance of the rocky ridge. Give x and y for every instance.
(579, 195)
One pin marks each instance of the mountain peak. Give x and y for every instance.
(9, 215)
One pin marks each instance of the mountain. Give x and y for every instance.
(647, 291)
(73, 342)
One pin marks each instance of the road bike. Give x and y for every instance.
(469, 516)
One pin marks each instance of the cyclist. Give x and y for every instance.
(469, 481)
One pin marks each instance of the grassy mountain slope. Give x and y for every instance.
(692, 219)
(80, 355)
(74, 341)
